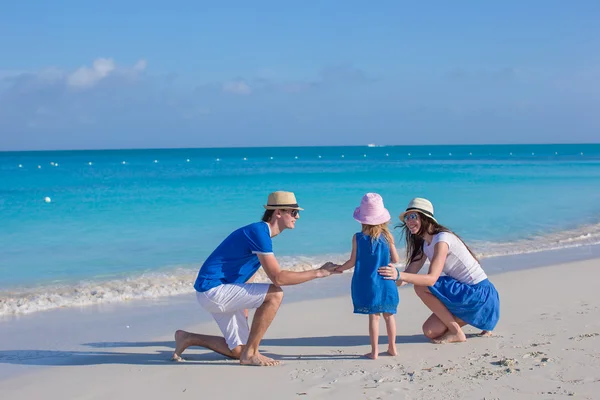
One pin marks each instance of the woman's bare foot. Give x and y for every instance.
(392, 351)
(180, 345)
(448, 337)
(485, 333)
(372, 355)
(259, 360)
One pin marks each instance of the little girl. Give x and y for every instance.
(372, 248)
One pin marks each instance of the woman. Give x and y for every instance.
(464, 296)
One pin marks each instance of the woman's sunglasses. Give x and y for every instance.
(413, 216)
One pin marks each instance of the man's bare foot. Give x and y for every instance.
(392, 351)
(485, 333)
(259, 360)
(448, 337)
(180, 345)
(372, 355)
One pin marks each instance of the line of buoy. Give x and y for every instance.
(56, 164)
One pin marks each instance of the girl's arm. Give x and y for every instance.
(350, 263)
(436, 267)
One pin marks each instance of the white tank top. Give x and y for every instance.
(460, 264)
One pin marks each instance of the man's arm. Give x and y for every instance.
(283, 277)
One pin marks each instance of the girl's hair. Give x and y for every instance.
(375, 231)
(414, 243)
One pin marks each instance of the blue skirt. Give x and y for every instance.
(478, 305)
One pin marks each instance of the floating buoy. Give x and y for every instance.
(342, 156)
(364, 155)
(20, 165)
(218, 159)
(90, 163)
(319, 156)
(449, 154)
(47, 199)
(470, 154)
(296, 157)
(123, 163)
(409, 154)
(39, 166)
(188, 160)
(245, 159)
(271, 158)
(155, 161)
(387, 154)
(429, 153)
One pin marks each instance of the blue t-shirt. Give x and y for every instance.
(235, 260)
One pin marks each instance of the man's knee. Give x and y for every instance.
(236, 352)
(274, 295)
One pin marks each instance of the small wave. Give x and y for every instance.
(170, 282)
(178, 280)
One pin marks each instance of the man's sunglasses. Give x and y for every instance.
(294, 213)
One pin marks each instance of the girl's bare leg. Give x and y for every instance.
(390, 325)
(374, 335)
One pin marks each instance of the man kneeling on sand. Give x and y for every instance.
(223, 285)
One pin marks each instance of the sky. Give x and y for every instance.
(147, 74)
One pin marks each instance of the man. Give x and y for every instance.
(223, 285)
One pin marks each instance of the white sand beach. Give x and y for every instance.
(547, 345)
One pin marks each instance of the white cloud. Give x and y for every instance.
(237, 87)
(86, 77)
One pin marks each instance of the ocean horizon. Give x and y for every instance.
(89, 226)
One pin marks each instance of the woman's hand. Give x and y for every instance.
(388, 272)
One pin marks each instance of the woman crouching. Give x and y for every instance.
(464, 296)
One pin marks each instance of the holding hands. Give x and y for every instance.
(328, 268)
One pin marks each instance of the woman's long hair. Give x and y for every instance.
(376, 231)
(414, 243)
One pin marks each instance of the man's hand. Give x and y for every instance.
(327, 269)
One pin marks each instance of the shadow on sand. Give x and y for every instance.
(160, 355)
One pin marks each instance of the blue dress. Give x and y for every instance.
(371, 294)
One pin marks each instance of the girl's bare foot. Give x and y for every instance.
(259, 360)
(372, 355)
(485, 333)
(392, 351)
(448, 337)
(180, 345)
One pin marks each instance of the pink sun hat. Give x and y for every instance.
(371, 210)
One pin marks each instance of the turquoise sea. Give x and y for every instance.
(126, 224)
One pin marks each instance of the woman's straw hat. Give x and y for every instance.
(419, 205)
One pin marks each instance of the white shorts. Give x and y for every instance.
(227, 303)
